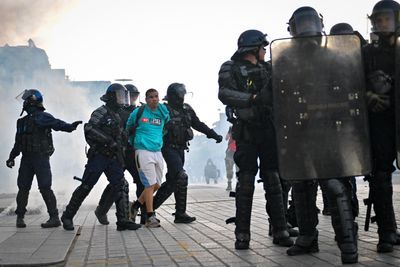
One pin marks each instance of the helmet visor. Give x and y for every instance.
(383, 21)
(122, 97)
(305, 23)
(29, 93)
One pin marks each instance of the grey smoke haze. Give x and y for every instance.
(21, 19)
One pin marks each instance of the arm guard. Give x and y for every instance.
(229, 91)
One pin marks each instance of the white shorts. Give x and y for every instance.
(150, 166)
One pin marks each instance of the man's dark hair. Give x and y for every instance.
(151, 90)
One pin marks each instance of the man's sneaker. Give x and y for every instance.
(152, 222)
(20, 222)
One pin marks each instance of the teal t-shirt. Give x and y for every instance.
(149, 132)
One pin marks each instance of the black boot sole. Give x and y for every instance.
(184, 220)
(302, 250)
(349, 258)
(67, 226)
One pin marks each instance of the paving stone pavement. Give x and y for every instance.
(206, 242)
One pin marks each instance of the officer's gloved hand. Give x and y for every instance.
(218, 138)
(377, 102)
(262, 98)
(10, 163)
(113, 146)
(75, 124)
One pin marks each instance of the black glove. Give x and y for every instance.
(212, 134)
(10, 163)
(377, 102)
(262, 98)
(75, 124)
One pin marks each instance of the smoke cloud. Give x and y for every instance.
(21, 19)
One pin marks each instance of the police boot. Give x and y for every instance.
(339, 198)
(20, 222)
(229, 187)
(143, 214)
(51, 204)
(276, 210)
(304, 198)
(244, 202)
(121, 193)
(381, 184)
(105, 203)
(180, 200)
(22, 202)
(78, 196)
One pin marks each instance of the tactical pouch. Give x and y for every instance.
(246, 114)
(189, 134)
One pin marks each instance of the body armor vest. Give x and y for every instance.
(252, 79)
(179, 131)
(33, 138)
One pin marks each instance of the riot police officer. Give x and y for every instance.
(106, 199)
(178, 134)
(107, 139)
(379, 61)
(244, 86)
(34, 140)
(306, 22)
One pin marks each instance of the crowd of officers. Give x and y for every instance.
(245, 87)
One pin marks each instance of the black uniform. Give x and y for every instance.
(254, 133)
(380, 56)
(107, 139)
(34, 140)
(106, 202)
(178, 134)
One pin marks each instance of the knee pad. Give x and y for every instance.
(182, 178)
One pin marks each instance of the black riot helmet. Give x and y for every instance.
(131, 89)
(250, 41)
(341, 28)
(116, 95)
(385, 17)
(176, 94)
(305, 21)
(32, 98)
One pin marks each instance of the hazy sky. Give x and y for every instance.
(157, 42)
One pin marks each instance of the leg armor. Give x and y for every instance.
(304, 197)
(164, 192)
(381, 185)
(275, 208)
(121, 197)
(105, 203)
(244, 202)
(79, 195)
(181, 199)
(22, 202)
(51, 204)
(339, 198)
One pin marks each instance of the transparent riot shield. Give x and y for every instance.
(319, 108)
(397, 96)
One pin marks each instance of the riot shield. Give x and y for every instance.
(319, 108)
(397, 96)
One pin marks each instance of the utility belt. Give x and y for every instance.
(178, 146)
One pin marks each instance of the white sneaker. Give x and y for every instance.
(152, 222)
